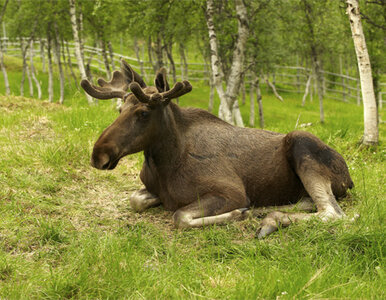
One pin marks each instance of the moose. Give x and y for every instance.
(208, 171)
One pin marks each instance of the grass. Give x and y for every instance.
(67, 230)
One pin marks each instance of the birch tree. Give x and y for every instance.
(228, 97)
(370, 136)
(3, 69)
(78, 53)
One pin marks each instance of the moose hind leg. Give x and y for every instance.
(141, 200)
(210, 210)
(319, 188)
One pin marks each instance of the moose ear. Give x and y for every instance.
(130, 74)
(160, 81)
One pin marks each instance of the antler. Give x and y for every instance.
(179, 89)
(115, 88)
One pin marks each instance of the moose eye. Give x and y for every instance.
(144, 114)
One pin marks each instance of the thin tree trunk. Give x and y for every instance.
(111, 53)
(251, 104)
(57, 55)
(140, 62)
(63, 52)
(211, 93)
(343, 80)
(69, 62)
(319, 84)
(273, 88)
(168, 48)
(243, 96)
(370, 136)
(50, 71)
(4, 70)
(150, 54)
(259, 99)
(31, 62)
(159, 53)
(104, 56)
(24, 49)
(307, 90)
(78, 46)
(184, 64)
(79, 24)
(43, 55)
(315, 58)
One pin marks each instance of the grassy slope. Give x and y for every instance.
(66, 230)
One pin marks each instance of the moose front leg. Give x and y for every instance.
(141, 200)
(210, 209)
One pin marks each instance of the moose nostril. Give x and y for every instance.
(106, 165)
(100, 160)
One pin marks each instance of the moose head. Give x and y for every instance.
(138, 123)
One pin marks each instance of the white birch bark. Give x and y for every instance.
(42, 55)
(307, 90)
(4, 70)
(50, 71)
(78, 53)
(273, 88)
(224, 112)
(228, 97)
(59, 62)
(33, 72)
(370, 136)
(251, 105)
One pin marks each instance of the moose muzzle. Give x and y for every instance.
(104, 157)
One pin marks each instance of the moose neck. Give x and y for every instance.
(166, 151)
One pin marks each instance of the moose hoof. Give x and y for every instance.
(141, 200)
(265, 230)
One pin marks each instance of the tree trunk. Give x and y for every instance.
(243, 92)
(111, 53)
(259, 99)
(315, 58)
(307, 90)
(78, 46)
(42, 55)
(150, 54)
(169, 49)
(273, 88)
(370, 136)
(236, 114)
(59, 61)
(104, 56)
(159, 53)
(24, 49)
(3, 69)
(140, 62)
(211, 93)
(229, 97)
(50, 72)
(31, 63)
(184, 64)
(69, 62)
(319, 83)
(251, 104)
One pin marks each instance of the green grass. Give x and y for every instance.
(67, 230)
